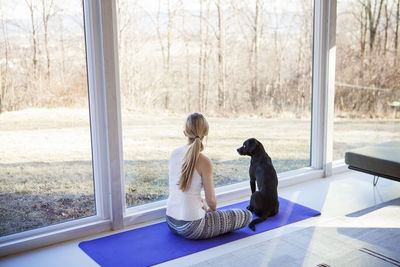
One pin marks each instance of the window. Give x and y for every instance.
(367, 107)
(45, 146)
(246, 65)
(176, 57)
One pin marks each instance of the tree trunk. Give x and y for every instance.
(164, 83)
(187, 90)
(363, 31)
(387, 19)
(200, 78)
(373, 20)
(2, 91)
(254, 84)
(62, 46)
(4, 79)
(168, 78)
(170, 18)
(221, 59)
(47, 13)
(396, 36)
(158, 29)
(206, 75)
(34, 36)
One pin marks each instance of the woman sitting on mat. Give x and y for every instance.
(189, 171)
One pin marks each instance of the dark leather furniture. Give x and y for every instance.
(381, 160)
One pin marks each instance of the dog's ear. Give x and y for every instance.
(252, 145)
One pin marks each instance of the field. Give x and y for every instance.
(46, 169)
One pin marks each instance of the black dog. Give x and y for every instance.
(264, 202)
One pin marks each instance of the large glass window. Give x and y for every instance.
(45, 147)
(246, 65)
(367, 97)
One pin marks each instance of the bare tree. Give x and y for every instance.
(363, 31)
(185, 38)
(207, 51)
(32, 11)
(396, 36)
(200, 78)
(305, 57)
(388, 17)
(254, 92)
(373, 15)
(124, 20)
(4, 80)
(171, 16)
(225, 63)
(166, 55)
(158, 29)
(61, 44)
(126, 17)
(222, 94)
(48, 11)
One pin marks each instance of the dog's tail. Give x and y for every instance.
(253, 223)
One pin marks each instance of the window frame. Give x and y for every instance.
(100, 19)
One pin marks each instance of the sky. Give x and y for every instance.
(17, 9)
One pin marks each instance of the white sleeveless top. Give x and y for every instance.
(186, 206)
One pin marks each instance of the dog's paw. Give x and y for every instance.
(252, 227)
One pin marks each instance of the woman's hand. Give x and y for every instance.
(206, 173)
(209, 210)
(204, 204)
(205, 208)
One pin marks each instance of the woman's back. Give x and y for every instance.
(187, 205)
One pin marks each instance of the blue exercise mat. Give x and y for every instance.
(155, 243)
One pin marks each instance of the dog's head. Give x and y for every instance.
(250, 146)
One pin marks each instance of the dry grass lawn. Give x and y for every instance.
(46, 169)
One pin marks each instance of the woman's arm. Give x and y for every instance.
(206, 172)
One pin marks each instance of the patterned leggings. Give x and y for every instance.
(214, 223)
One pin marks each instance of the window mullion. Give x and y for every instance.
(103, 78)
(97, 105)
(324, 54)
(114, 127)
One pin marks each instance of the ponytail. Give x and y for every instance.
(196, 128)
(189, 164)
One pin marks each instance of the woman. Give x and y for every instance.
(190, 171)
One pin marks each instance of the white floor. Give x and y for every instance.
(334, 197)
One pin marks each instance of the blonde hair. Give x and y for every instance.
(196, 128)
